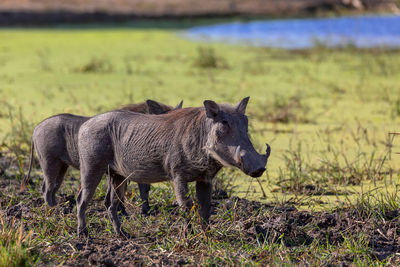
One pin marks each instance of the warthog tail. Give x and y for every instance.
(28, 176)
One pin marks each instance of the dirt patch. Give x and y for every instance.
(233, 217)
(115, 252)
(48, 11)
(256, 221)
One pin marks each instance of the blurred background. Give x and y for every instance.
(323, 77)
(47, 11)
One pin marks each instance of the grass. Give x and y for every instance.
(15, 244)
(242, 232)
(206, 58)
(285, 109)
(326, 114)
(95, 65)
(295, 95)
(334, 167)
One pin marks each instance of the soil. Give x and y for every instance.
(30, 12)
(254, 220)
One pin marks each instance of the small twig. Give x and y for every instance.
(262, 189)
(69, 244)
(379, 231)
(124, 181)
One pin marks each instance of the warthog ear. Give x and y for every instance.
(179, 106)
(212, 108)
(154, 107)
(241, 106)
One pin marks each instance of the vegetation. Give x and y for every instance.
(327, 115)
(15, 244)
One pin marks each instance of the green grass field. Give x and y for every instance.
(327, 114)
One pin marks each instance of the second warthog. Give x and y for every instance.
(182, 146)
(56, 143)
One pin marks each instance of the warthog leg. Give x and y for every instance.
(90, 179)
(181, 192)
(203, 194)
(107, 200)
(144, 195)
(53, 172)
(59, 180)
(117, 195)
(184, 202)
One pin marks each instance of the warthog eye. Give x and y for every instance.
(223, 128)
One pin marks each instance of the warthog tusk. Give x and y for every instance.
(267, 152)
(238, 158)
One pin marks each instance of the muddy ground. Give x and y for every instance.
(249, 221)
(33, 12)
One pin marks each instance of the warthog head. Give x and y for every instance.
(228, 141)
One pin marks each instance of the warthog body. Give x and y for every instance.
(182, 146)
(56, 143)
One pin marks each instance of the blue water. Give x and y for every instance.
(364, 31)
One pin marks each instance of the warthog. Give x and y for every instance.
(56, 143)
(182, 146)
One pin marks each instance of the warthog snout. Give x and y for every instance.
(257, 173)
(252, 164)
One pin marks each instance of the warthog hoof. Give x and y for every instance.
(124, 235)
(122, 210)
(83, 232)
(147, 210)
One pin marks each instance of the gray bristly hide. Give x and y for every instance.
(56, 140)
(149, 107)
(182, 146)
